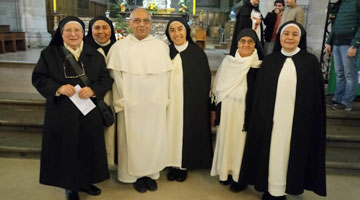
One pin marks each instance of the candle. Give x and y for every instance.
(54, 5)
(194, 7)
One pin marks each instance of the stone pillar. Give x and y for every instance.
(315, 26)
(33, 22)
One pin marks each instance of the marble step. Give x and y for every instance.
(20, 143)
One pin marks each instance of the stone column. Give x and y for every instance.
(315, 26)
(33, 22)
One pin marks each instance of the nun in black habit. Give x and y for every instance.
(190, 144)
(285, 147)
(102, 35)
(73, 152)
(245, 19)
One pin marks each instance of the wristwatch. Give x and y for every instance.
(353, 47)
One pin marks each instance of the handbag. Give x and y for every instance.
(106, 111)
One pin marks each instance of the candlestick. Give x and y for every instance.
(54, 5)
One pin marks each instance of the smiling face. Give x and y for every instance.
(290, 38)
(177, 33)
(73, 34)
(140, 23)
(246, 46)
(101, 31)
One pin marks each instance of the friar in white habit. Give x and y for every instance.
(140, 65)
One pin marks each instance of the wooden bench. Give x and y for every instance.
(7, 42)
(11, 41)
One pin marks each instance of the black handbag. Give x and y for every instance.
(107, 113)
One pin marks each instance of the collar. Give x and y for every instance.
(133, 38)
(290, 54)
(182, 47)
(104, 44)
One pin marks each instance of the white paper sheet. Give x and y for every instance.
(84, 105)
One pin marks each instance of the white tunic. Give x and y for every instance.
(175, 118)
(282, 128)
(230, 88)
(141, 71)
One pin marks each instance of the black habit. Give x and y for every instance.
(197, 143)
(243, 20)
(306, 168)
(73, 149)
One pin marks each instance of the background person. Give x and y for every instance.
(344, 41)
(272, 22)
(248, 16)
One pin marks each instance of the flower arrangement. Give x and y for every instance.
(152, 7)
(184, 7)
(123, 5)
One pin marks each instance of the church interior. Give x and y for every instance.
(27, 26)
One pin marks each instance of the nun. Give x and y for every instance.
(101, 36)
(233, 91)
(285, 146)
(189, 131)
(73, 154)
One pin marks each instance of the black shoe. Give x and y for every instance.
(140, 185)
(182, 175)
(172, 174)
(237, 187)
(150, 184)
(228, 181)
(91, 190)
(268, 196)
(71, 195)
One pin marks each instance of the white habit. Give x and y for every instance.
(230, 88)
(141, 70)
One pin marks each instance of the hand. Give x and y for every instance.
(67, 90)
(86, 93)
(327, 49)
(212, 118)
(258, 20)
(277, 11)
(351, 52)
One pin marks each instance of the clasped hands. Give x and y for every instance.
(69, 90)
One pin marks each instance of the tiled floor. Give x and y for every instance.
(19, 180)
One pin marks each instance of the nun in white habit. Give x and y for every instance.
(285, 147)
(232, 90)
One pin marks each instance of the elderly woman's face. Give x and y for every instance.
(101, 31)
(72, 35)
(290, 38)
(246, 46)
(177, 33)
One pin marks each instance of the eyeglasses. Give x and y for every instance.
(250, 42)
(138, 21)
(76, 76)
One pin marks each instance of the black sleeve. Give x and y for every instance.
(42, 80)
